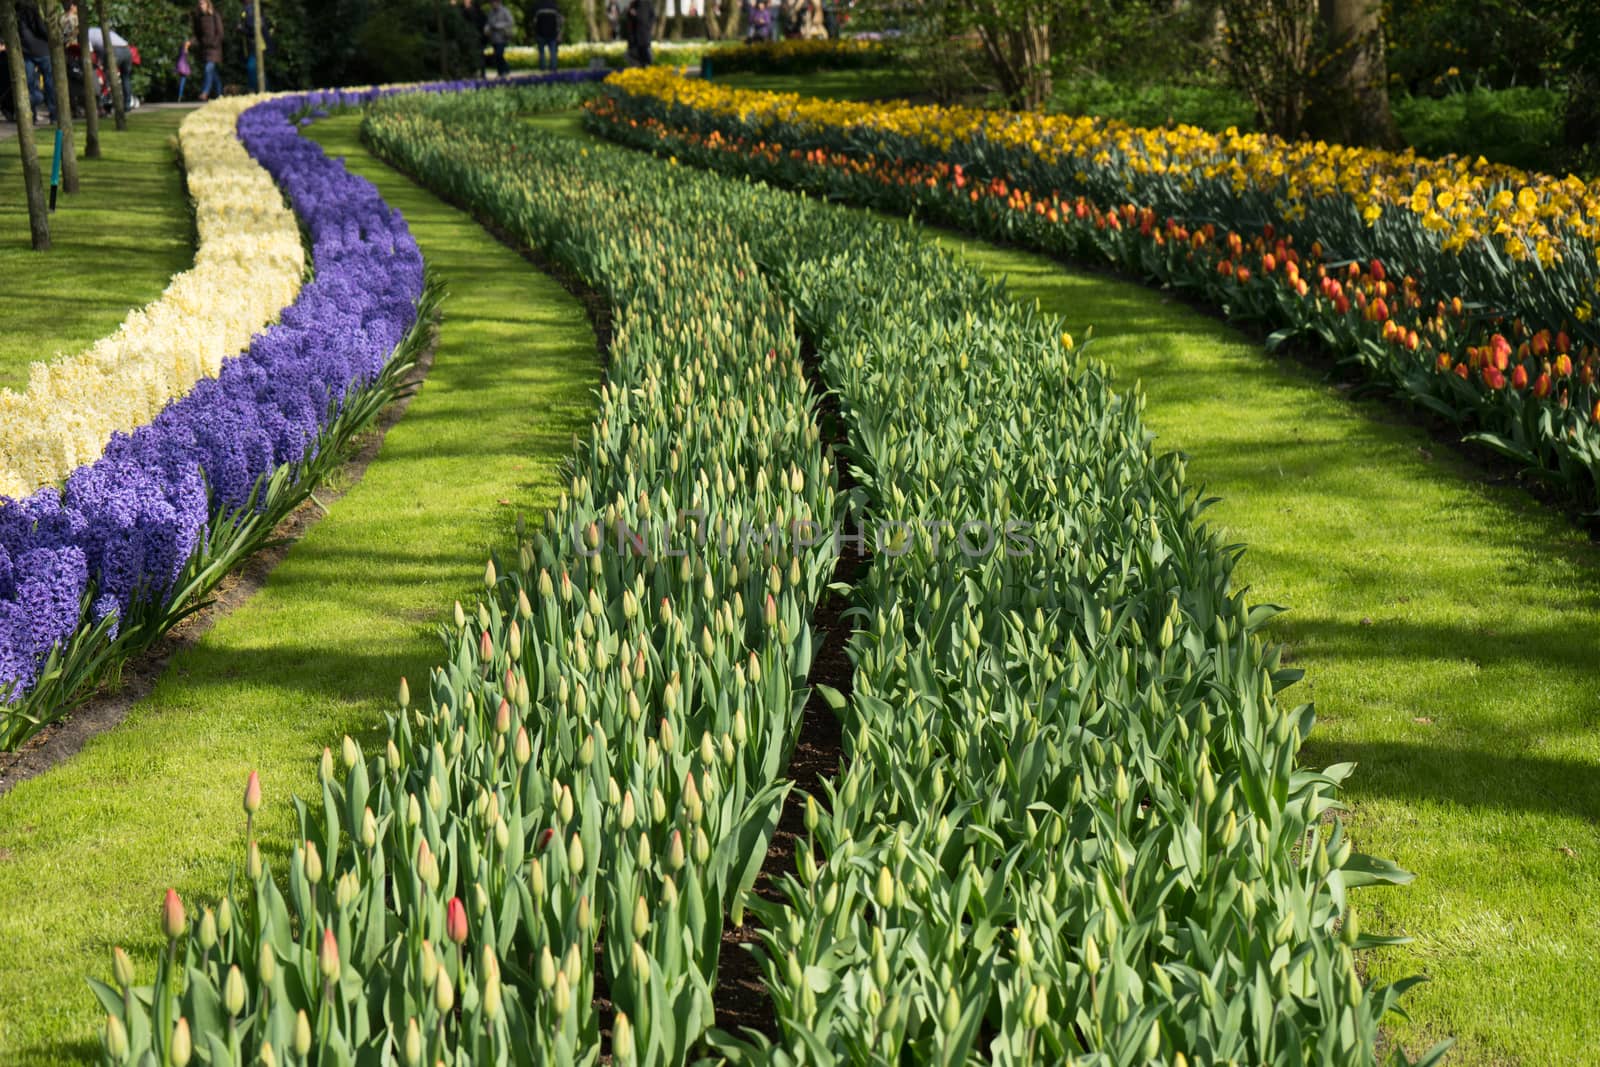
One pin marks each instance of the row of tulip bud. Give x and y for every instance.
(1071, 821)
(580, 768)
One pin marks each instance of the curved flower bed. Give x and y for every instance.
(108, 561)
(247, 268)
(1465, 289)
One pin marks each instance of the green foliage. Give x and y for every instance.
(1520, 127)
(1210, 107)
(1493, 43)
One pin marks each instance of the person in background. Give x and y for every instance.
(762, 22)
(614, 16)
(183, 68)
(36, 60)
(472, 12)
(640, 28)
(121, 61)
(830, 19)
(502, 25)
(547, 31)
(206, 26)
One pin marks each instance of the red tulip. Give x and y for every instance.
(173, 919)
(252, 794)
(1519, 377)
(1541, 386)
(1501, 348)
(1493, 378)
(328, 956)
(455, 921)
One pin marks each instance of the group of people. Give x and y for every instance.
(805, 19)
(39, 67)
(204, 46)
(496, 27)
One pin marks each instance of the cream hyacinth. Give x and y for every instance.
(247, 269)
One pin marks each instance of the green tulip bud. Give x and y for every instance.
(208, 930)
(180, 1047)
(951, 1017)
(116, 1039)
(313, 862)
(1091, 955)
(233, 992)
(575, 856)
(413, 1045)
(884, 893)
(121, 968)
(562, 995)
(444, 991)
(622, 1050)
(266, 963)
(675, 856)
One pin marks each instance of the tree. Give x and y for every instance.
(38, 213)
(91, 95)
(591, 22)
(1352, 104)
(63, 91)
(260, 45)
(108, 57)
(1016, 38)
(731, 12)
(1312, 67)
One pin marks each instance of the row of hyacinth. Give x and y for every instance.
(127, 524)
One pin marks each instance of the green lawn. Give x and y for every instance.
(1447, 631)
(87, 849)
(117, 242)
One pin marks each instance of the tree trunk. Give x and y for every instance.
(58, 62)
(91, 95)
(38, 213)
(1353, 107)
(730, 19)
(444, 44)
(591, 22)
(1019, 52)
(108, 57)
(260, 47)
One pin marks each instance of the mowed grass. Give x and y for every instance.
(115, 243)
(1448, 633)
(87, 850)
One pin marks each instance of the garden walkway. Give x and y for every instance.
(87, 849)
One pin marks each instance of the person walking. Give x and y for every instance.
(640, 28)
(472, 13)
(36, 60)
(207, 41)
(547, 31)
(502, 25)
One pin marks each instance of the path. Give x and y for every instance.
(1448, 633)
(87, 849)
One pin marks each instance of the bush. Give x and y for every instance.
(1210, 107)
(1519, 127)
